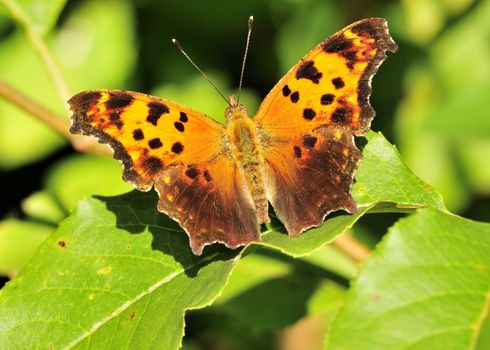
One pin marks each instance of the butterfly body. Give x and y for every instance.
(247, 148)
(297, 152)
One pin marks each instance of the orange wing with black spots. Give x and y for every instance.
(147, 134)
(182, 152)
(308, 120)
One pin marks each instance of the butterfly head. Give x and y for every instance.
(235, 110)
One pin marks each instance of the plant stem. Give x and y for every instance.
(352, 247)
(53, 120)
(41, 48)
(49, 62)
(56, 122)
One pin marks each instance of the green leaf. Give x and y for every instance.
(42, 206)
(426, 287)
(444, 118)
(116, 266)
(18, 242)
(259, 309)
(101, 176)
(115, 273)
(381, 180)
(382, 177)
(39, 16)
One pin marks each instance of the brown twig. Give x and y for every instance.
(352, 247)
(55, 121)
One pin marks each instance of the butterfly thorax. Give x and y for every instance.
(245, 147)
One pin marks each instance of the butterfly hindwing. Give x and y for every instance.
(211, 202)
(308, 120)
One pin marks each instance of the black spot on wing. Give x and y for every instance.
(179, 126)
(342, 115)
(207, 176)
(337, 43)
(177, 147)
(308, 71)
(83, 102)
(115, 118)
(155, 143)
(138, 134)
(297, 152)
(365, 27)
(351, 58)
(309, 113)
(294, 97)
(326, 99)
(309, 141)
(286, 91)
(152, 165)
(183, 117)
(118, 99)
(156, 109)
(192, 173)
(338, 83)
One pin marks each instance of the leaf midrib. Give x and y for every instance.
(479, 322)
(129, 303)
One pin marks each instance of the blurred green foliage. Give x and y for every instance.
(431, 100)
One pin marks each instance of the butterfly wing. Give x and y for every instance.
(180, 151)
(308, 120)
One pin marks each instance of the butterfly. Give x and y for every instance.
(297, 152)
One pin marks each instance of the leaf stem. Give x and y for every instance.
(56, 122)
(51, 119)
(351, 247)
(41, 48)
(51, 66)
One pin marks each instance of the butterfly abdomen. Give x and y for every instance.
(242, 134)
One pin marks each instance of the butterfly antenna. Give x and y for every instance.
(179, 47)
(250, 22)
